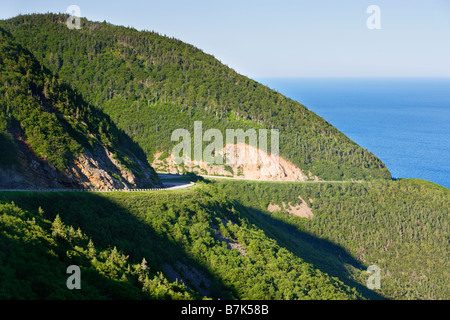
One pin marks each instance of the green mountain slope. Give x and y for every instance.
(198, 237)
(36, 253)
(68, 107)
(219, 240)
(49, 136)
(400, 226)
(150, 85)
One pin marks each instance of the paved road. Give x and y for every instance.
(175, 176)
(246, 179)
(168, 185)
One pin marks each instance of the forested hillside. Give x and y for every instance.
(220, 241)
(35, 254)
(199, 237)
(400, 226)
(43, 122)
(150, 85)
(79, 106)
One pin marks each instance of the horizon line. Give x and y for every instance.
(350, 77)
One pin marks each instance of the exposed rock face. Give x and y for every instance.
(99, 170)
(189, 276)
(240, 161)
(301, 210)
(102, 171)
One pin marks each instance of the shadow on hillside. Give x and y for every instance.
(322, 254)
(39, 274)
(110, 225)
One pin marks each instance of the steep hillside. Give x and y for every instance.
(400, 226)
(96, 107)
(224, 240)
(50, 137)
(256, 165)
(151, 85)
(35, 254)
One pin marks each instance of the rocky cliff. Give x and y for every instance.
(240, 161)
(96, 169)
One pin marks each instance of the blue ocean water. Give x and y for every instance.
(403, 121)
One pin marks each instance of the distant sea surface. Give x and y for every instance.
(403, 121)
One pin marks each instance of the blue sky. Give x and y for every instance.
(282, 38)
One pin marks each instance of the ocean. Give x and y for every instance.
(403, 121)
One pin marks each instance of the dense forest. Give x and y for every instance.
(218, 240)
(140, 78)
(199, 237)
(35, 254)
(55, 121)
(67, 91)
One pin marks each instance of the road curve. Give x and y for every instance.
(168, 185)
(179, 185)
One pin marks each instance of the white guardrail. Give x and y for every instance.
(102, 190)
